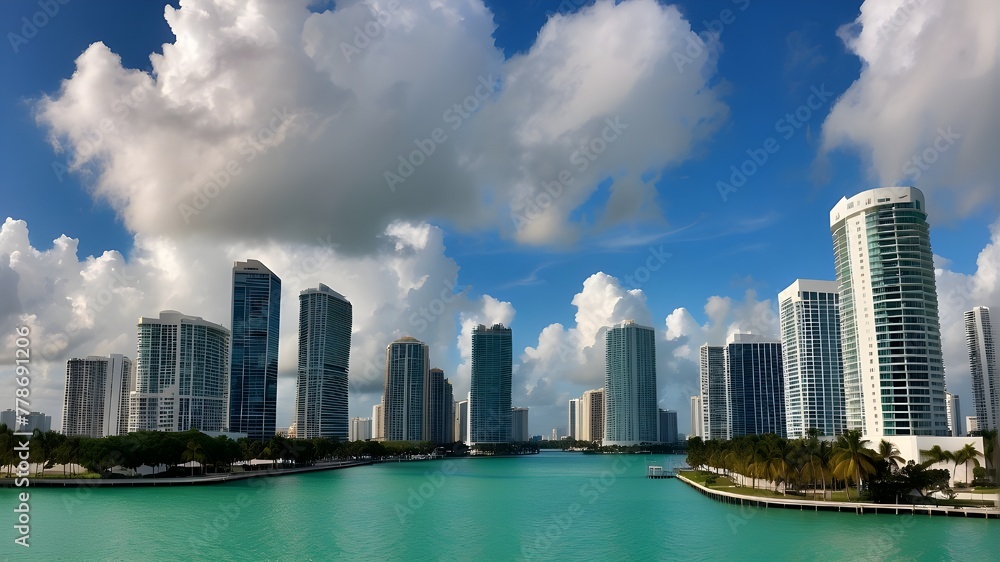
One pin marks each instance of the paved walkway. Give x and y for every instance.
(857, 507)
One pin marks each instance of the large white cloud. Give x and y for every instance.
(921, 112)
(263, 119)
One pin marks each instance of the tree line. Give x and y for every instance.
(214, 454)
(814, 465)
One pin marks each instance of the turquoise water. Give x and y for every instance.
(548, 506)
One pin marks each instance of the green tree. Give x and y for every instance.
(890, 454)
(193, 453)
(965, 455)
(852, 460)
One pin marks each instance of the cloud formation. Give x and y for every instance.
(918, 113)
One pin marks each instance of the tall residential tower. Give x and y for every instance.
(96, 399)
(324, 357)
(983, 366)
(890, 331)
(490, 396)
(630, 413)
(253, 378)
(407, 374)
(810, 346)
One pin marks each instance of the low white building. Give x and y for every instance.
(910, 446)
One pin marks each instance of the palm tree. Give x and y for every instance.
(192, 453)
(989, 446)
(890, 454)
(852, 459)
(964, 455)
(936, 455)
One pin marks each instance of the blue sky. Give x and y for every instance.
(764, 65)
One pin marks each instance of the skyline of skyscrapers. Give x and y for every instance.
(809, 313)
(490, 385)
(979, 337)
(630, 406)
(96, 399)
(407, 373)
(321, 403)
(893, 371)
(253, 377)
(182, 363)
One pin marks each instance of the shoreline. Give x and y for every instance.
(179, 481)
(860, 508)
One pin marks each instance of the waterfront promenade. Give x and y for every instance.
(180, 480)
(849, 507)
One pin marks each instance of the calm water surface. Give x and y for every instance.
(549, 506)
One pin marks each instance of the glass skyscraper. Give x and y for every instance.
(407, 377)
(894, 380)
(630, 413)
(983, 367)
(490, 415)
(324, 358)
(440, 408)
(811, 357)
(754, 385)
(253, 378)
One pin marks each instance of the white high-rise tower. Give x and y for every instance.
(890, 331)
(983, 366)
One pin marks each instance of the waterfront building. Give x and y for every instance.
(407, 374)
(361, 429)
(440, 403)
(754, 385)
(714, 398)
(95, 403)
(668, 426)
(592, 415)
(696, 417)
(462, 421)
(971, 425)
(630, 412)
(519, 425)
(32, 421)
(253, 378)
(809, 314)
(378, 422)
(573, 423)
(891, 337)
(979, 337)
(490, 394)
(324, 356)
(954, 410)
(182, 364)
